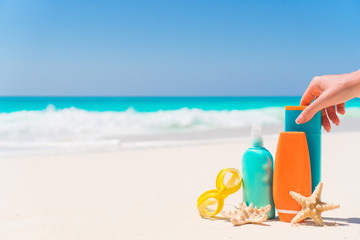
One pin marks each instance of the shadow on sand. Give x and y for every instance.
(228, 220)
(352, 220)
(329, 222)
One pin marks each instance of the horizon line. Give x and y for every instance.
(145, 96)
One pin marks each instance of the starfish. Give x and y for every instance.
(312, 206)
(247, 214)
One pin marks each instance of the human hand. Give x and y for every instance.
(330, 93)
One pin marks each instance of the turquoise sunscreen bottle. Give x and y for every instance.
(257, 172)
(312, 130)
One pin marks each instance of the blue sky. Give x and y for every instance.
(174, 48)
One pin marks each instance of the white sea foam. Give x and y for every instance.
(75, 127)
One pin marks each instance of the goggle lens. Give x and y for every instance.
(231, 179)
(208, 207)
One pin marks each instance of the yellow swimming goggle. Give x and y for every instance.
(211, 202)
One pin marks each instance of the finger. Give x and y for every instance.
(307, 97)
(310, 110)
(326, 99)
(340, 108)
(325, 121)
(331, 112)
(311, 92)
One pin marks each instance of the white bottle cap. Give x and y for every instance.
(256, 139)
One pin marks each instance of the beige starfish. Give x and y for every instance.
(312, 206)
(247, 214)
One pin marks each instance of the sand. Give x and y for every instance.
(152, 193)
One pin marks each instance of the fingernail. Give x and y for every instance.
(300, 119)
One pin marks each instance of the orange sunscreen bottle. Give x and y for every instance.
(292, 172)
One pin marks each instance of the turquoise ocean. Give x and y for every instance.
(38, 122)
(143, 104)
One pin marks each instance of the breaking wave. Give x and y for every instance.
(72, 125)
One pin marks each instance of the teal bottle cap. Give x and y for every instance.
(293, 112)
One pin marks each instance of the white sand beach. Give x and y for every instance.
(116, 116)
(152, 193)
